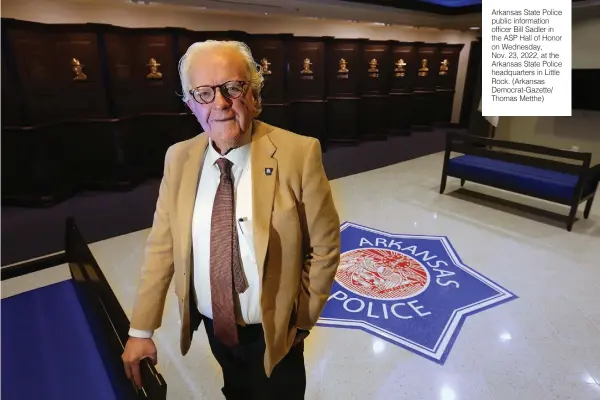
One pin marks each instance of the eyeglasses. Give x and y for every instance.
(229, 90)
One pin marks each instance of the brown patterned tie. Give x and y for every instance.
(226, 271)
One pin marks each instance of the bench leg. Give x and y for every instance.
(572, 215)
(443, 184)
(462, 182)
(588, 207)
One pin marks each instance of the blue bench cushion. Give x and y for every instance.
(537, 181)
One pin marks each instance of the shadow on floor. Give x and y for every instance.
(513, 207)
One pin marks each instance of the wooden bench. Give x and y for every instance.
(523, 168)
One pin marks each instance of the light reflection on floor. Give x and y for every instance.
(543, 345)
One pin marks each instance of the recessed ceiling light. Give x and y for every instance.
(474, 28)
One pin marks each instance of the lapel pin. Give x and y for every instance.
(268, 171)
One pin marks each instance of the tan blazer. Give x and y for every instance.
(296, 236)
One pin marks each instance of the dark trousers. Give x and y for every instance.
(244, 372)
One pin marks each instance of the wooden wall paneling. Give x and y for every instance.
(306, 85)
(113, 167)
(96, 155)
(13, 108)
(17, 175)
(58, 68)
(154, 74)
(119, 44)
(32, 49)
(189, 128)
(239, 36)
(447, 69)
(107, 121)
(155, 83)
(78, 72)
(12, 104)
(427, 68)
(175, 136)
(185, 38)
(425, 105)
(271, 54)
(95, 124)
(444, 105)
(343, 78)
(34, 173)
(376, 70)
(405, 64)
(15, 148)
(81, 54)
(29, 170)
(12, 119)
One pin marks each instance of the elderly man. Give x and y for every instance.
(245, 223)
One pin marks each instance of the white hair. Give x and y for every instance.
(253, 70)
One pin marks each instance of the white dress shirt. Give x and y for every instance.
(201, 227)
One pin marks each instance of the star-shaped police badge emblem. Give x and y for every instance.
(411, 290)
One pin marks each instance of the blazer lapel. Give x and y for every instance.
(190, 179)
(264, 177)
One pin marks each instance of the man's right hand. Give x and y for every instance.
(136, 350)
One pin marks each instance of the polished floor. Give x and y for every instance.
(543, 343)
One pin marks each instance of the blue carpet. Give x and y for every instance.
(48, 351)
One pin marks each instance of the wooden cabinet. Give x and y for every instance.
(400, 105)
(449, 57)
(343, 66)
(306, 84)
(376, 71)
(271, 56)
(88, 106)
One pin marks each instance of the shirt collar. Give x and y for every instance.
(238, 156)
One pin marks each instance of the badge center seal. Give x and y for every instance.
(382, 274)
